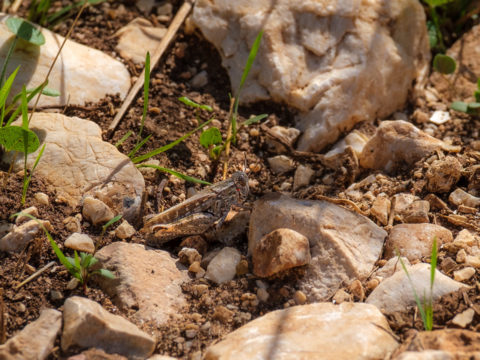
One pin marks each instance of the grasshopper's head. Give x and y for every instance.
(240, 179)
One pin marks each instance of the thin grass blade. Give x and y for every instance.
(124, 138)
(138, 146)
(175, 173)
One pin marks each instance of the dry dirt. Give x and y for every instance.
(167, 120)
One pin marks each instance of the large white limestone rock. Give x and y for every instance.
(310, 332)
(77, 163)
(337, 62)
(344, 245)
(81, 74)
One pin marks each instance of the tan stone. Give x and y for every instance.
(310, 332)
(138, 37)
(80, 242)
(322, 59)
(20, 236)
(125, 230)
(415, 240)
(443, 174)
(280, 250)
(81, 74)
(464, 274)
(36, 340)
(223, 267)
(96, 211)
(460, 197)
(396, 293)
(77, 162)
(86, 324)
(398, 142)
(148, 281)
(417, 212)
(344, 245)
(381, 208)
(281, 164)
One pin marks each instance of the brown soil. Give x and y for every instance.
(167, 120)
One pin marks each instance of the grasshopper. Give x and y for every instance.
(199, 213)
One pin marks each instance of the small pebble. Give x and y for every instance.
(464, 319)
(262, 295)
(464, 274)
(41, 198)
(461, 256)
(357, 290)
(222, 314)
(200, 289)
(56, 295)
(299, 297)
(242, 267)
(372, 284)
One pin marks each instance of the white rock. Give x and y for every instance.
(396, 294)
(81, 74)
(280, 250)
(464, 318)
(125, 230)
(398, 142)
(20, 236)
(316, 331)
(381, 208)
(460, 197)
(281, 164)
(440, 117)
(415, 240)
(391, 267)
(96, 211)
(138, 37)
(86, 324)
(36, 340)
(425, 355)
(77, 162)
(465, 240)
(303, 176)
(464, 274)
(344, 245)
(199, 80)
(222, 267)
(42, 198)
(355, 140)
(80, 242)
(322, 58)
(32, 210)
(147, 280)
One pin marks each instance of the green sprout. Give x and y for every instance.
(472, 108)
(80, 267)
(106, 226)
(425, 308)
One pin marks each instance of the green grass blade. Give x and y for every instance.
(5, 90)
(169, 146)
(254, 119)
(27, 182)
(193, 104)
(61, 257)
(146, 89)
(433, 262)
(175, 173)
(112, 221)
(124, 138)
(137, 147)
(30, 96)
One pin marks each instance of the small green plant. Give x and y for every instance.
(425, 307)
(105, 227)
(472, 108)
(79, 267)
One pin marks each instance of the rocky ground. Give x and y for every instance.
(328, 234)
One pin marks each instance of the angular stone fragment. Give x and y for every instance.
(344, 245)
(80, 242)
(381, 208)
(417, 212)
(86, 324)
(96, 211)
(396, 143)
(396, 294)
(77, 163)
(286, 135)
(443, 174)
(415, 240)
(81, 74)
(20, 236)
(302, 177)
(222, 267)
(316, 331)
(280, 250)
(125, 230)
(147, 280)
(138, 37)
(321, 58)
(464, 274)
(464, 318)
(281, 164)
(460, 197)
(36, 340)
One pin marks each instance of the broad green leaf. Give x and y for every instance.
(444, 64)
(25, 30)
(175, 173)
(254, 119)
(193, 104)
(459, 106)
(12, 138)
(211, 136)
(105, 273)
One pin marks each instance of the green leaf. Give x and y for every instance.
(444, 64)
(105, 273)
(459, 106)
(112, 221)
(211, 136)
(169, 146)
(77, 260)
(432, 34)
(216, 151)
(473, 108)
(25, 30)
(137, 147)
(93, 261)
(5, 90)
(175, 173)
(193, 104)
(433, 262)
(71, 260)
(124, 138)
(254, 119)
(12, 138)
(435, 3)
